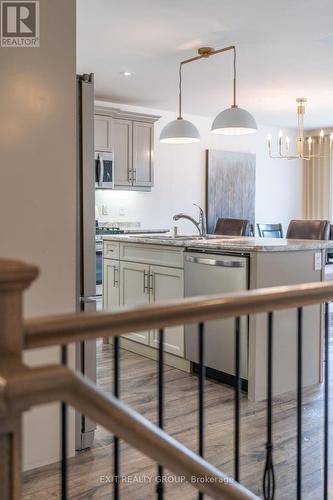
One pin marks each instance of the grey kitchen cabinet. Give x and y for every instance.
(167, 283)
(111, 284)
(146, 284)
(143, 145)
(130, 137)
(103, 133)
(135, 275)
(134, 291)
(122, 144)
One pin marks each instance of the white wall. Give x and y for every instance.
(37, 186)
(180, 178)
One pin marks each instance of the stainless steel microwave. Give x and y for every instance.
(104, 171)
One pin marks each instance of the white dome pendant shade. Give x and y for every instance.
(180, 131)
(231, 121)
(234, 121)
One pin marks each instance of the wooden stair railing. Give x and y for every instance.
(22, 387)
(68, 328)
(43, 385)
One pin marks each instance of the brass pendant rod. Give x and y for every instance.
(204, 53)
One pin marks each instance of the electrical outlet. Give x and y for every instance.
(317, 261)
(121, 211)
(105, 210)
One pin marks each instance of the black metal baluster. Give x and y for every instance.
(202, 373)
(269, 477)
(160, 484)
(326, 395)
(299, 400)
(64, 472)
(237, 397)
(116, 447)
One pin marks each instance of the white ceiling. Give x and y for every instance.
(285, 50)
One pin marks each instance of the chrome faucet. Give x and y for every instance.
(200, 224)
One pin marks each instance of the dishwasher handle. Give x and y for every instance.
(215, 262)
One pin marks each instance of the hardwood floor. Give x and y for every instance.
(89, 471)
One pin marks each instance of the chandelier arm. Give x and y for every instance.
(318, 157)
(281, 157)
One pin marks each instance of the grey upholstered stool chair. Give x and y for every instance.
(309, 229)
(270, 230)
(232, 227)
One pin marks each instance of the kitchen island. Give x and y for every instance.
(146, 269)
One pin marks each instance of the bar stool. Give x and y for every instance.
(270, 230)
(330, 250)
(232, 227)
(309, 229)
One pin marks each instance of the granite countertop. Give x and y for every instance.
(228, 243)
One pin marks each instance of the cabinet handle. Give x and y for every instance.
(115, 277)
(145, 286)
(134, 175)
(151, 283)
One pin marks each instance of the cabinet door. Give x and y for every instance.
(167, 283)
(143, 144)
(110, 284)
(134, 291)
(102, 133)
(122, 152)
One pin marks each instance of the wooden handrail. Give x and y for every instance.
(53, 383)
(65, 329)
(22, 387)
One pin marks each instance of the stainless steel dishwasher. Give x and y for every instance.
(213, 273)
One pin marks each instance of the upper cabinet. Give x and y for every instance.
(122, 147)
(102, 133)
(143, 146)
(130, 137)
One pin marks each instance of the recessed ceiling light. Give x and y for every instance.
(126, 73)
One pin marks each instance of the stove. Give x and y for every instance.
(107, 230)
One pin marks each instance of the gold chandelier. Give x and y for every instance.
(304, 146)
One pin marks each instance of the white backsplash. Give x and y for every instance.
(117, 207)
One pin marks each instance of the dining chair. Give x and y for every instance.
(232, 227)
(304, 229)
(329, 256)
(270, 230)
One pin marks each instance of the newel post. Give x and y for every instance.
(15, 277)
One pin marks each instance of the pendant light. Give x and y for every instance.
(180, 131)
(232, 121)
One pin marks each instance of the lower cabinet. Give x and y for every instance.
(110, 284)
(168, 283)
(128, 284)
(134, 291)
